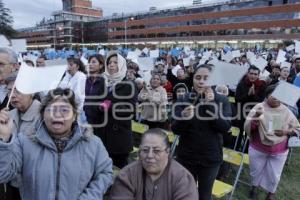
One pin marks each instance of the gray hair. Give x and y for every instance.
(13, 57)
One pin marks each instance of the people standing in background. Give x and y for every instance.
(244, 61)
(249, 92)
(154, 102)
(41, 61)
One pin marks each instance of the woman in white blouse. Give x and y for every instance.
(74, 79)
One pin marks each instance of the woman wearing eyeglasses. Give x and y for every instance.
(61, 161)
(201, 120)
(155, 175)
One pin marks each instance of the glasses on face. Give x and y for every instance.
(63, 110)
(156, 151)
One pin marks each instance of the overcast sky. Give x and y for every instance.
(27, 12)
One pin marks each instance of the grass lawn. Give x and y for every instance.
(289, 186)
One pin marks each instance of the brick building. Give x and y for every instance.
(236, 21)
(65, 27)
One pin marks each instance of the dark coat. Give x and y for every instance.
(242, 97)
(201, 140)
(188, 81)
(115, 133)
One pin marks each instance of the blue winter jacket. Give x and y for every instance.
(83, 171)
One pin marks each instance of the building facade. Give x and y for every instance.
(242, 20)
(235, 21)
(64, 27)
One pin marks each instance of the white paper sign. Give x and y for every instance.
(186, 61)
(84, 60)
(259, 62)
(20, 58)
(19, 45)
(36, 79)
(297, 47)
(287, 93)
(154, 53)
(225, 73)
(227, 57)
(32, 57)
(290, 48)
(203, 60)
(187, 50)
(264, 74)
(4, 42)
(56, 62)
(281, 56)
(175, 69)
(285, 64)
(146, 50)
(250, 55)
(236, 54)
(207, 54)
(132, 55)
(145, 63)
(102, 52)
(138, 52)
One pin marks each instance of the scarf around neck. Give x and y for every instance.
(115, 78)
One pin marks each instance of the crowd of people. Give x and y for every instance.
(63, 143)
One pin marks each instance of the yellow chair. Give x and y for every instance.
(116, 170)
(221, 189)
(238, 159)
(231, 99)
(235, 131)
(139, 127)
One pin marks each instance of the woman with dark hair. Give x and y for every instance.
(201, 120)
(94, 90)
(269, 125)
(74, 79)
(155, 175)
(96, 64)
(111, 109)
(46, 159)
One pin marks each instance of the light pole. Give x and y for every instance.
(125, 30)
(59, 28)
(125, 34)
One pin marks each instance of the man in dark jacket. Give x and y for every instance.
(249, 92)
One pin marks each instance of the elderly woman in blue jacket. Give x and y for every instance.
(61, 161)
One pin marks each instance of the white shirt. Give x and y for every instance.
(77, 84)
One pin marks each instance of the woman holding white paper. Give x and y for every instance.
(154, 103)
(269, 124)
